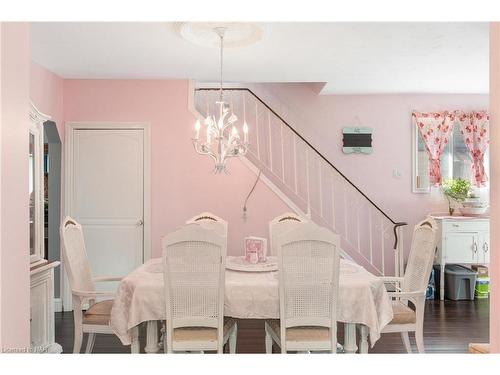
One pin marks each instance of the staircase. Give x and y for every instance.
(310, 184)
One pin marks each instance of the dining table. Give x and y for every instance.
(363, 303)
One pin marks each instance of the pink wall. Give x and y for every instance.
(495, 190)
(46, 92)
(14, 253)
(320, 118)
(182, 182)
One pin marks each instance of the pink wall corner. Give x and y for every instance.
(182, 182)
(320, 119)
(1, 148)
(46, 93)
(14, 249)
(495, 188)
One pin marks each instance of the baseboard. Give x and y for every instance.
(57, 305)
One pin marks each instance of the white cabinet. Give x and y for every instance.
(42, 309)
(461, 240)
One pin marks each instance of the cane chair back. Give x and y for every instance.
(308, 260)
(194, 270)
(280, 225)
(421, 257)
(209, 220)
(74, 255)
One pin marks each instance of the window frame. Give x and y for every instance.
(415, 139)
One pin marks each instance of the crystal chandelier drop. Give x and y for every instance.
(222, 140)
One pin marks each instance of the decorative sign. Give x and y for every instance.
(255, 249)
(357, 141)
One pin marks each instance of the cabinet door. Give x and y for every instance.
(484, 248)
(42, 310)
(462, 247)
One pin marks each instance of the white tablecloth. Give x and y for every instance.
(363, 298)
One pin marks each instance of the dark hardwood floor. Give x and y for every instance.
(449, 327)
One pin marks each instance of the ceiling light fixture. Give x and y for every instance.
(221, 140)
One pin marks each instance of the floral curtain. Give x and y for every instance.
(474, 127)
(435, 129)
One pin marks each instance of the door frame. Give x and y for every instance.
(70, 128)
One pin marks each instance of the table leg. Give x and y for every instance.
(152, 337)
(350, 338)
(363, 342)
(135, 344)
(441, 282)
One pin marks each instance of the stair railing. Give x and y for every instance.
(314, 184)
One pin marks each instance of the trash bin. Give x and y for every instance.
(456, 277)
(460, 282)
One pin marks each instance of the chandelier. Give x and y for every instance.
(221, 140)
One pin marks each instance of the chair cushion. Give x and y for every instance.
(402, 314)
(98, 313)
(306, 333)
(201, 333)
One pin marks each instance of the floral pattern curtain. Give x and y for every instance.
(474, 127)
(435, 129)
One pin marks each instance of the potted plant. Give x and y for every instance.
(455, 190)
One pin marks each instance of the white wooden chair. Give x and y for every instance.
(209, 218)
(412, 287)
(194, 274)
(308, 259)
(96, 318)
(282, 224)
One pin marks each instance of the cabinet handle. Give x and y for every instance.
(474, 245)
(485, 247)
(455, 225)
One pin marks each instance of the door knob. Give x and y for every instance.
(140, 223)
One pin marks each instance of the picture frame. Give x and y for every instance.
(258, 246)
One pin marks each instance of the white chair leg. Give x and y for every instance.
(233, 340)
(406, 341)
(419, 331)
(269, 343)
(419, 337)
(77, 345)
(90, 343)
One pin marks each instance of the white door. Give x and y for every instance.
(107, 197)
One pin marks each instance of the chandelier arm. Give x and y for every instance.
(199, 149)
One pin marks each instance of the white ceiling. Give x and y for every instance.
(352, 58)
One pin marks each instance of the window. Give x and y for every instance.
(455, 160)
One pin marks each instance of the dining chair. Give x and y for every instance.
(194, 275)
(308, 263)
(96, 318)
(282, 224)
(210, 218)
(412, 286)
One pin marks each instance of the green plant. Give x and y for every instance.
(455, 190)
